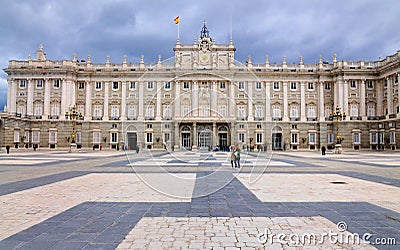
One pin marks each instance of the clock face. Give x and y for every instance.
(204, 58)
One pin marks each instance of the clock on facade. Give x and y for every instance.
(204, 58)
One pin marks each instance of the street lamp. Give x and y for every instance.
(73, 115)
(339, 116)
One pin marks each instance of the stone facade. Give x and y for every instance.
(202, 98)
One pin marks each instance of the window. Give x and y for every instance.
(166, 137)
(311, 111)
(396, 78)
(150, 85)
(371, 110)
(149, 137)
(22, 84)
(81, 109)
(311, 138)
(310, 86)
(370, 84)
(259, 126)
(241, 112)
(293, 85)
(96, 137)
(204, 83)
(39, 84)
(78, 137)
(98, 85)
(374, 138)
(186, 85)
(167, 112)
(16, 135)
(205, 111)
(114, 125)
(38, 109)
(166, 126)
(328, 111)
(259, 112)
(327, 85)
(114, 137)
(167, 85)
(115, 85)
(185, 110)
(222, 110)
(35, 136)
(356, 138)
(276, 111)
(131, 112)
(241, 126)
(56, 83)
(149, 112)
(331, 137)
(241, 85)
(97, 111)
(52, 137)
(276, 85)
(294, 111)
(258, 85)
(132, 85)
(294, 138)
(81, 85)
(114, 111)
(392, 137)
(149, 126)
(55, 109)
(241, 137)
(353, 110)
(353, 84)
(259, 138)
(222, 85)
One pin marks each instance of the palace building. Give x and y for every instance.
(202, 98)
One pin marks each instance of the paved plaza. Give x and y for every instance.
(196, 200)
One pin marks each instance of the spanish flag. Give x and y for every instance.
(176, 20)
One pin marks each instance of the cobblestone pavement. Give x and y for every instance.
(196, 200)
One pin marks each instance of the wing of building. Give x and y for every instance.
(202, 98)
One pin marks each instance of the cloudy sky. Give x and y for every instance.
(353, 29)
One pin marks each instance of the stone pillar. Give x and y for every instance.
(232, 98)
(177, 101)
(214, 99)
(389, 95)
(214, 135)
(46, 101)
(321, 104)
(345, 107)
(194, 147)
(29, 103)
(123, 101)
(88, 101)
(176, 136)
(362, 101)
(285, 102)
(302, 102)
(340, 97)
(250, 101)
(195, 99)
(379, 98)
(106, 90)
(233, 134)
(9, 87)
(141, 101)
(12, 107)
(268, 101)
(335, 94)
(64, 99)
(158, 105)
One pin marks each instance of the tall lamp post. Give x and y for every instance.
(73, 115)
(338, 116)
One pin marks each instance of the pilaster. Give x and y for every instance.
(302, 102)
(106, 93)
(29, 103)
(268, 101)
(141, 101)
(321, 102)
(46, 101)
(285, 101)
(250, 101)
(362, 101)
(88, 101)
(158, 105)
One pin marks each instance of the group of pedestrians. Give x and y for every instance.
(235, 156)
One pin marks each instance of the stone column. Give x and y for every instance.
(321, 106)
(214, 135)
(29, 103)
(195, 99)
(285, 102)
(88, 101)
(64, 99)
(340, 97)
(177, 101)
(46, 101)
(9, 87)
(141, 101)
(158, 105)
(232, 98)
(345, 107)
(176, 136)
(214, 99)
(12, 109)
(389, 95)
(194, 136)
(335, 94)
(379, 98)
(362, 101)
(106, 90)
(302, 102)
(73, 93)
(267, 101)
(250, 101)
(123, 101)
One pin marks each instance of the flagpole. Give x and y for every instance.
(178, 30)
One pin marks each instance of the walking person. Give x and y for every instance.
(323, 150)
(237, 155)
(233, 156)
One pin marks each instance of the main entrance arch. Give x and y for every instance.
(277, 138)
(185, 137)
(204, 137)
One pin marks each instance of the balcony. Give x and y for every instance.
(54, 117)
(241, 118)
(294, 119)
(311, 119)
(18, 114)
(370, 118)
(97, 118)
(277, 118)
(149, 118)
(259, 118)
(167, 118)
(38, 117)
(392, 116)
(114, 118)
(352, 118)
(131, 118)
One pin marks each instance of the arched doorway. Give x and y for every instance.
(277, 138)
(131, 138)
(223, 138)
(204, 137)
(185, 137)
